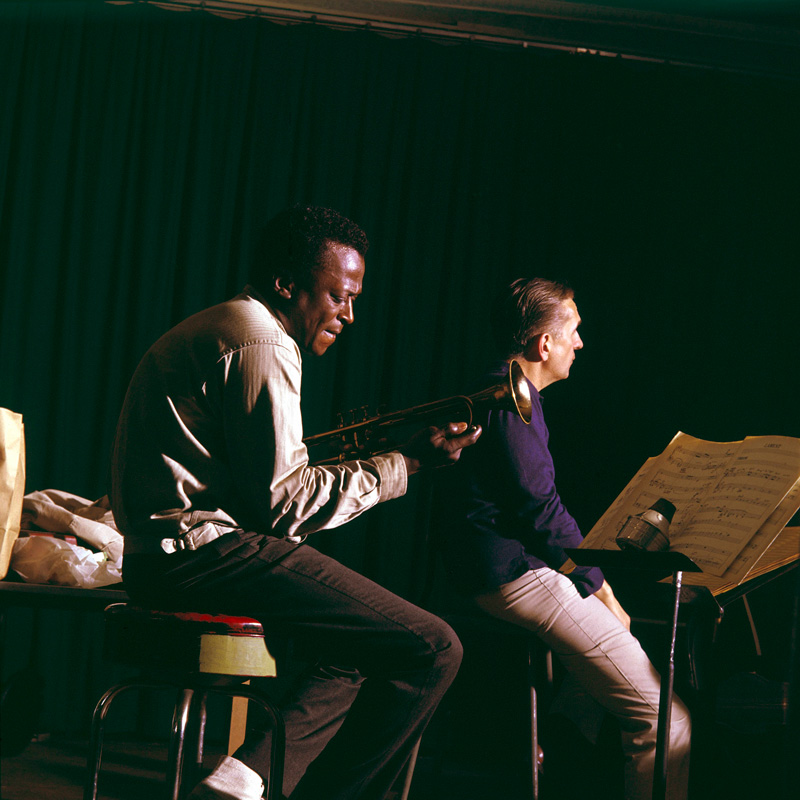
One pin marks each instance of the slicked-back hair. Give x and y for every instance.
(525, 309)
(293, 241)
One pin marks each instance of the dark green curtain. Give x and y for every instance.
(141, 148)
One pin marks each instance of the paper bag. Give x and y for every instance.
(12, 482)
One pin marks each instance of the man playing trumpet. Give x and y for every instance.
(215, 496)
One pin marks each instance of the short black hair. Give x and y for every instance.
(526, 308)
(292, 243)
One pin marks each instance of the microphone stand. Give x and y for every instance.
(662, 563)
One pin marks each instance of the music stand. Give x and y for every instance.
(662, 563)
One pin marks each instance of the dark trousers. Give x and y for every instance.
(382, 664)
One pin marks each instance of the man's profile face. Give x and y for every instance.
(565, 341)
(320, 310)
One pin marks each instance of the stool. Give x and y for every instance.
(540, 688)
(197, 654)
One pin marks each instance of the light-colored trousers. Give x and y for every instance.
(607, 663)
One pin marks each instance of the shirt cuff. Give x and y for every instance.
(587, 580)
(393, 475)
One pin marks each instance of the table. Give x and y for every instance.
(21, 695)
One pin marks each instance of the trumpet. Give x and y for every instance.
(371, 435)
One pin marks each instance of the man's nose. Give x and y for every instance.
(578, 343)
(346, 314)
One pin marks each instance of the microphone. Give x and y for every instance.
(647, 530)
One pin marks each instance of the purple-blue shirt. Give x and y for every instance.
(505, 514)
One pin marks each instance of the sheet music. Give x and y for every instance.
(723, 493)
(754, 550)
(603, 534)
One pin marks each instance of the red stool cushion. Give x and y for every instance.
(187, 642)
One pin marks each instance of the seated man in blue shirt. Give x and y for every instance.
(506, 546)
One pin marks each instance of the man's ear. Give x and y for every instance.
(539, 347)
(545, 341)
(283, 286)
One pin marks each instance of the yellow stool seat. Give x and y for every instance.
(187, 642)
(197, 654)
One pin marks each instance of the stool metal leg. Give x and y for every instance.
(199, 714)
(96, 738)
(278, 748)
(188, 701)
(95, 759)
(177, 742)
(534, 679)
(412, 763)
(534, 744)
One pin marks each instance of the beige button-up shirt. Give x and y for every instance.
(210, 438)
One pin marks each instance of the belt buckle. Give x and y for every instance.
(172, 545)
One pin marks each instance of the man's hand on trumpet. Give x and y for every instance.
(437, 447)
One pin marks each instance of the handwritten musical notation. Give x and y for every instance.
(726, 495)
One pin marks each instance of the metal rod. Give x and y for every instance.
(728, 32)
(665, 701)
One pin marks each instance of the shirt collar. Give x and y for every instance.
(251, 291)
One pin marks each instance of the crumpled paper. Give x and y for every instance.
(45, 559)
(61, 512)
(40, 559)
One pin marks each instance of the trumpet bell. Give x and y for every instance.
(520, 392)
(513, 394)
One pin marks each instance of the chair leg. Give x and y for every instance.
(534, 744)
(193, 759)
(187, 701)
(412, 763)
(238, 726)
(540, 673)
(177, 741)
(95, 757)
(278, 748)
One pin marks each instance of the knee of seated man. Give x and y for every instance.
(447, 648)
(680, 721)
(427, 642)
(644, 726)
